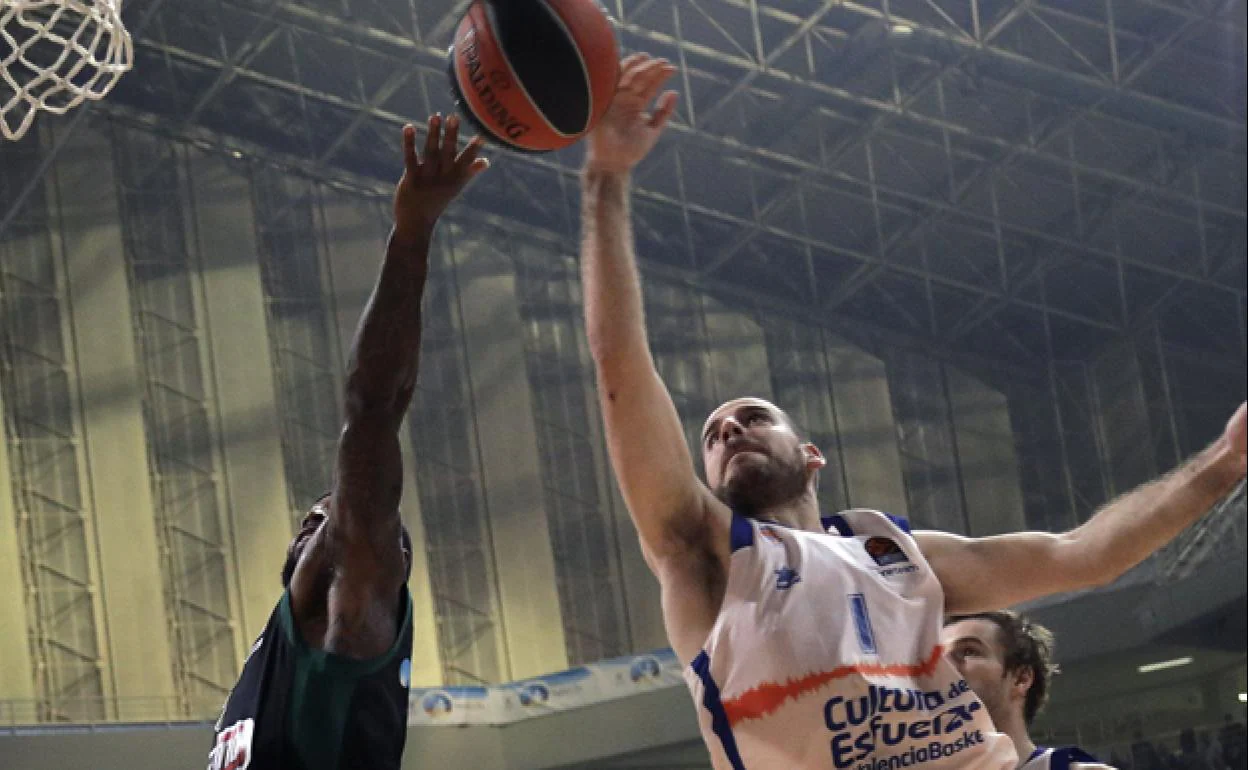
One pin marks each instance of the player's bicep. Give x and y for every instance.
(992, 573)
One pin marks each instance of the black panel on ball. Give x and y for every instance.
(470, 118)
(545, 60)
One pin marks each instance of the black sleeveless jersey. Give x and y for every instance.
(299, 708)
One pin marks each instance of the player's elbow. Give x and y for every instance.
(374, 407)
(616, 347)
(368, 424)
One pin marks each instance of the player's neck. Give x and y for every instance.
(800, 513)
(1016, 729)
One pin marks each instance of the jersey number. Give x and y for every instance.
(862, 622)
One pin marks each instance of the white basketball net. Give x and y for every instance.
(56, 53)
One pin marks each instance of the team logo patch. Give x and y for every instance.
(885, 551)
(770, 534)
(232, 750)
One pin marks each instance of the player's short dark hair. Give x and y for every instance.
(1027, 645)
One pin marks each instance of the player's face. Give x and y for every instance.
(975, 650)
(312, 522)
(753, 459)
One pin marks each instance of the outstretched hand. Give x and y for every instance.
(432, 179)
(630, 129)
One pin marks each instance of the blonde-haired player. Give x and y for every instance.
(1008, 661)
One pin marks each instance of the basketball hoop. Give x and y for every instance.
(54, 54)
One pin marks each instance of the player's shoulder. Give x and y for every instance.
(1064, 758)
(863, 521)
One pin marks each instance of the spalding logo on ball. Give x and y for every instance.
(534, 75)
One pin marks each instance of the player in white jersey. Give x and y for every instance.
(810, 647)
(1008, 661)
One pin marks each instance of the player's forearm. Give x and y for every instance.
(1129, 529)
(382, 365)
(644, 435)
(614, 315)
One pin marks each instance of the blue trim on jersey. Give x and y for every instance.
(901, 523)
(862, 621)
(1062, 757)
(741, 533)
(701, 666)
(838, 521)
(842, 526)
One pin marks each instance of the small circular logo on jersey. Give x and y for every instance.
(405, 672)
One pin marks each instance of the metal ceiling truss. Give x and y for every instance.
(558, 242)
(1009, 176)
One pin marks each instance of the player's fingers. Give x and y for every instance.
(652, 78)
(470, 172)
(410, 162)
(644, 71)
(450, 142)
(630, 68)
(632, 59)
(469, 156)
(664, 109)
(432, 141)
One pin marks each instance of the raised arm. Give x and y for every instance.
(990, 573)
(646, 442)
(360, 566)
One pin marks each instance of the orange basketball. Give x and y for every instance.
(534, 75)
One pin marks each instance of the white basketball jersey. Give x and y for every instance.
(826, 654)
(1065, 758)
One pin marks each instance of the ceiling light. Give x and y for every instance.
(902, 29)
(1162, 665)
(1243, 697)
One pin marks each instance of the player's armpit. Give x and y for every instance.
(992, 573)
(344, 591)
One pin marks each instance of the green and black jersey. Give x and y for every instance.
(299, 708)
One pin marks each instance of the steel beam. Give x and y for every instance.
(766, 160)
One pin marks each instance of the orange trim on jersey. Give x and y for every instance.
(758, 702)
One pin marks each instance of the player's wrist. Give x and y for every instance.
(606, 167)
(1220, 466)
(412, 235)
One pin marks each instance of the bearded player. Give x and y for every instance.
(814, 642)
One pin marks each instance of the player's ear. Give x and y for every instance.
(1022, 679)
(814, 458)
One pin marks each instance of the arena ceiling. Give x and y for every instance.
(1018, 178)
